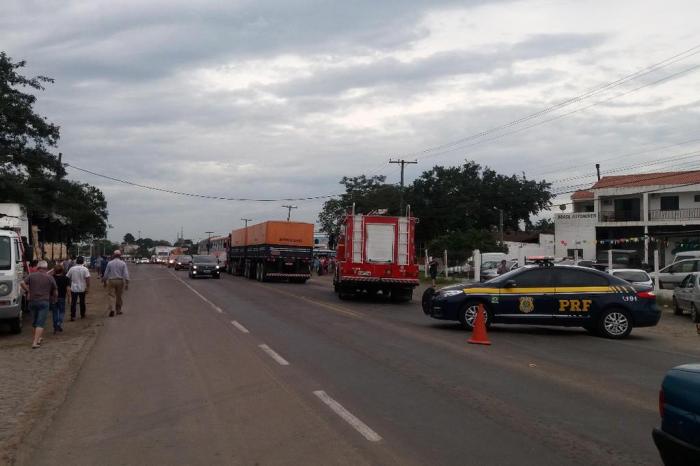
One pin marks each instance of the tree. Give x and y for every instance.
(64, 211)
(129, 238)
(367, 194)
(544, 225)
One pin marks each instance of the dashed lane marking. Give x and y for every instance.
(270, 352)
(348, 417)
(201, 296)
(239, 326)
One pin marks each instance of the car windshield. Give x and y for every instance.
(205, 259)
(505, 276)
(632, 276)
(5, 253)
(184, 258)
(489, 265)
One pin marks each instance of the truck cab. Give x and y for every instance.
(12, 300)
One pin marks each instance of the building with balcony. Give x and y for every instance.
(642, 211)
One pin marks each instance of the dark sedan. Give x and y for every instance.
(205, 266)
(183, 262)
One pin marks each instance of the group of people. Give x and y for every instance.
(323, 265)
(49, 290)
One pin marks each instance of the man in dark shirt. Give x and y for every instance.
(41, 291)
(59, 307)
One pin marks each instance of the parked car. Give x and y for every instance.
(638, 278)
(678, 439)
(686, 255)
(672, 276)
(686, 297)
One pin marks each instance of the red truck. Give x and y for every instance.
(376, 254)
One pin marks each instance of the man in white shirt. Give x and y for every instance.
(79, 286)
(116, 279)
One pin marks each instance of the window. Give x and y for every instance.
(669, 202)
(684, 282)
(632, 276)
(542, 276)
(697, 198)
(5, 253)
(573, 277)
(683, 267)
(572, 253)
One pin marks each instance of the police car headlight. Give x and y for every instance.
(217, 267)
(5, 288)
(194, 267)
(448, 293)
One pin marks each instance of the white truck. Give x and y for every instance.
(12, 300)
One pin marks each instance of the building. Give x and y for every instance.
(642, 212)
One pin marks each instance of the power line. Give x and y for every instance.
(202, 196)
(649, 69)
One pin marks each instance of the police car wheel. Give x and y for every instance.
(694, 313)
(467, 314)
(615, 323)
(676, 308)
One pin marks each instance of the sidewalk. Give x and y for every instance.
(34, 382)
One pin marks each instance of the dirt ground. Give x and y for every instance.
(34, 382)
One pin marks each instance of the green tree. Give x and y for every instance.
(368, 194)
(129, 238)
(544, 225)
(64, 211)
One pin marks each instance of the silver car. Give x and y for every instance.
(672, 276)
(637, 277)
(686, 297)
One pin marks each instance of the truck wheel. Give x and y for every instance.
(16, 323)
(263, 273)
(467, 315)
(615, 323)
(676, 308)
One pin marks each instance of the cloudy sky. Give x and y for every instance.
(280, 99)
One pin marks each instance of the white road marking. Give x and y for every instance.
(348, 417)
(218, 309)
(239, 326)
(214, 306)
(279, 359)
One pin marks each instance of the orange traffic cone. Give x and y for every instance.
(479, 336)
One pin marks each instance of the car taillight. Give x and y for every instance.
(646, 295)
(661, 402)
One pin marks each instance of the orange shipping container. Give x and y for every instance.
(277, 233)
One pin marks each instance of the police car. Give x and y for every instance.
(547, 294)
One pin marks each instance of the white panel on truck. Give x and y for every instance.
(379, 244)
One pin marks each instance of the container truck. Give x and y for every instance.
(376, 254)
(273, 250)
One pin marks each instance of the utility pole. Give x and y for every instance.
(500, 223)
(289, 210)
(403, 163)
(597, 169)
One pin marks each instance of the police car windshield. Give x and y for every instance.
(505, 276)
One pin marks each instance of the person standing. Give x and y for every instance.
(116, 279)
(68, 263)
(433, 270)
(41, 290)
(103, 266)
(59, 307)
(79, 277)
(502, 267)
(98, 266)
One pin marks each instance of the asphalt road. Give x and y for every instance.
(233, 371)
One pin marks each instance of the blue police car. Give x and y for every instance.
(546, 294)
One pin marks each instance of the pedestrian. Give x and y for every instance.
(58, 309)
(33, 266)
(103, 265)
(79, 277)
(502, 268)
(317, 265)
(116, 279)
(98, 266)
(68, 263)
(41, 290)
(433, 270)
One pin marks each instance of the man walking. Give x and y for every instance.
(116, 279)
(41, 291)
(79, 277)
(433, 270)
